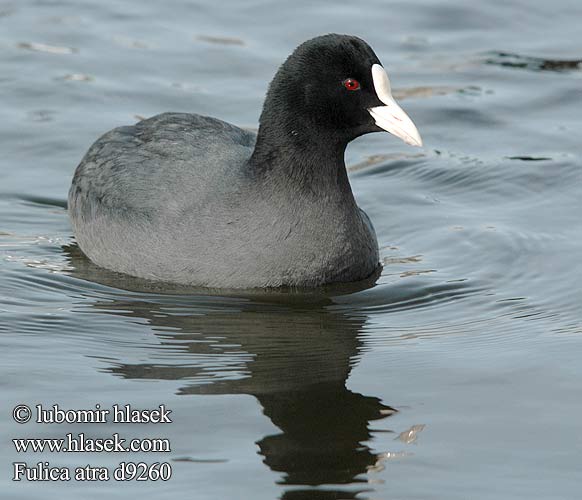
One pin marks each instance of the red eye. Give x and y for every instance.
(351, 84)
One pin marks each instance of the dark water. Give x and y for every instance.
(457, 376)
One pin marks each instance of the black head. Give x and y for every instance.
(326, 88)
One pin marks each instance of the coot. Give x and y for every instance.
(194, 200)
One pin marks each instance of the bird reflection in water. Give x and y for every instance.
(299, 355)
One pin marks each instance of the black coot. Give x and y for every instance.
(190, 199)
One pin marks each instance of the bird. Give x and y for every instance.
(193, 200)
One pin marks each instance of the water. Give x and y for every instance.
(457, 376)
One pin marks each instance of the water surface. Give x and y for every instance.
(456, 376)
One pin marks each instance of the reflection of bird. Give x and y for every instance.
(322, 427)
(190, 199)
(294, 358)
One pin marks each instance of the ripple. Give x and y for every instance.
(435, 91)
(42, 115)
(459, 176)
(384, 162)
(44, 200)
(49, 49)
(512, 60)
(412, 293)
(529, 158)
(220, 40)
(77, 77)
(50, 265)
(201, 460)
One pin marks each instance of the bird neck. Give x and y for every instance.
(298, 156)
